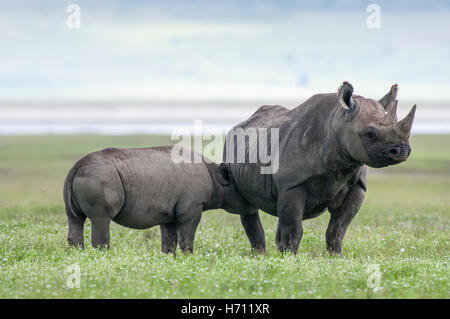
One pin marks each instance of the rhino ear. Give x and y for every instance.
(345, 96)
(390, 99)
(223, 175)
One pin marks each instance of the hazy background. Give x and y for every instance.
(152, 67)
(147, 66)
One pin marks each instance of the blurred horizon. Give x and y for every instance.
(223, 50)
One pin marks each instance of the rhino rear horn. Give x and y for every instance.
(406, 123)
(389, 100)
(345, 96)
(391, 116)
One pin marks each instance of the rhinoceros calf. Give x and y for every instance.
(325, 146)
(141, 188)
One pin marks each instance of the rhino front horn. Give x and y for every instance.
(405, 124)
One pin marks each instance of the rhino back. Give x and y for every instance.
(267, 116)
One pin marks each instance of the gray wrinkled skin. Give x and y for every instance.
(142, 188)
(326, 145)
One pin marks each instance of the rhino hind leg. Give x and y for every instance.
(76, 230)
(341, 217)
(254, 231)
(169, 238)
(278, 236)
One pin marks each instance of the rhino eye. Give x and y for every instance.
(370, 135)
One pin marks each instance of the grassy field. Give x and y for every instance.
(402, 230)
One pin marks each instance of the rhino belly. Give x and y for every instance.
(150, 196)
(255, 187)
(316, 210)
(321, 192)
(142, 214)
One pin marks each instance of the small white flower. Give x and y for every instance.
(376, 289)
(402, 250)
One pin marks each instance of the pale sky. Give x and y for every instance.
(222, 49)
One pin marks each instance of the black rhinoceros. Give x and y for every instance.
(325, 146)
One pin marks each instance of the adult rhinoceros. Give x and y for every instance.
(325, 146)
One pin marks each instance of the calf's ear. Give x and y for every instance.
(345, 96)
(223, 175)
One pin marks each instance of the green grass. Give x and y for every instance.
(402, 228)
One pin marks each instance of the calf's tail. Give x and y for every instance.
(71, 205)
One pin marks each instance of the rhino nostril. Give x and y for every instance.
(394, 151)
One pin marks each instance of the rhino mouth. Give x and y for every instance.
(380, 163)
(390, 156)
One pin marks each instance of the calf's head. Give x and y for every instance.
(369, 130)
(227, 192)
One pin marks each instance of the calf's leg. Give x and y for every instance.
(100, 232)
(76, 227)
(186, 232)
(100, 196)
(169, 238)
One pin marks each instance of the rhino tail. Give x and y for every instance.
(72, 207)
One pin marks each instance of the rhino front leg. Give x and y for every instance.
(169, 238)
(341, 217)
(254, 231)
(291, 205)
